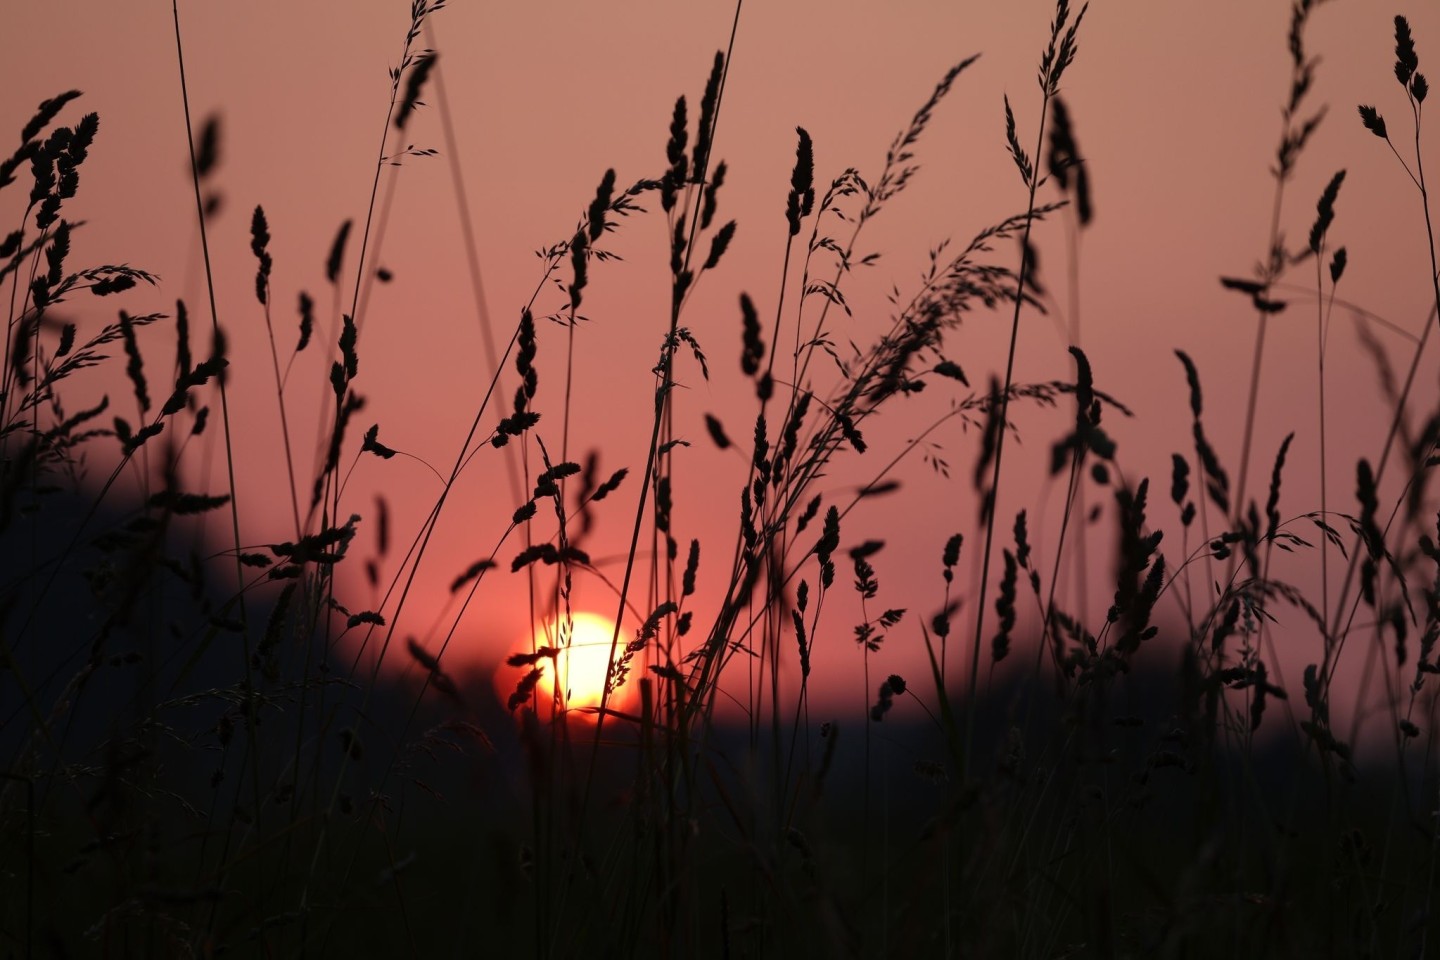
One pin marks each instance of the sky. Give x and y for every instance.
(1176, 109)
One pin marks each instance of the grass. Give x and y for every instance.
(205, 752)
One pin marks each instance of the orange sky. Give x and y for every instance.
(1176, 109)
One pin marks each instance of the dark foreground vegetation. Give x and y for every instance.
(204, 755)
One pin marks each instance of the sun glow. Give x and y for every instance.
(581, 663)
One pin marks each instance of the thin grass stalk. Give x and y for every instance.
(428, 529)
(284, 419)
(420, 10)
(325, 422)
(776, 514)
(1292, 139)
(11, 321)
(422, 542)
(1082, 531)
(1401, 405)
(824, 438)
(992, 508)
(701, 178)
(467, 225)
(7, 379)
(1418, 178)
(365, 279)
(1074, 496)
(662, 400)
(35, 412)
(249, 688)
(773, 627)
(1294, 134)
(1251, 403)
(1321, 330)
(379, 166)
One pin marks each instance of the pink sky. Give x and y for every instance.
(1176, 109)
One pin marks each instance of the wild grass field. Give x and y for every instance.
(249, 708)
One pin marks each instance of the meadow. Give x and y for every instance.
(780, 611)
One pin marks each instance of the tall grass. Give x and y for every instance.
(1146, 782)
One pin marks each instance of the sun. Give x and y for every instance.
(581, 664)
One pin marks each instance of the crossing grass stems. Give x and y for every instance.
(1068, 809)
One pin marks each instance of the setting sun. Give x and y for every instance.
(582, 661)
(1018, 521)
